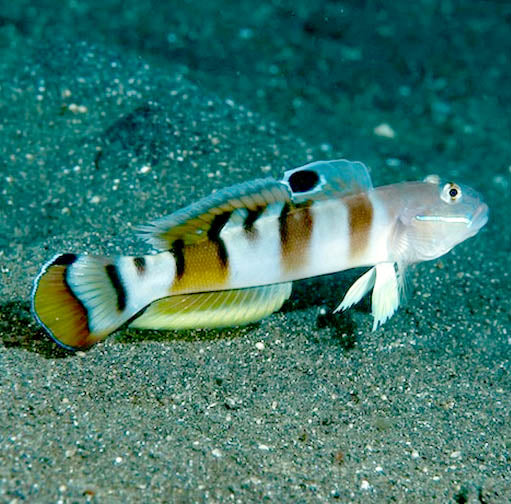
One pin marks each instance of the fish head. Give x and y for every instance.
(439, 215)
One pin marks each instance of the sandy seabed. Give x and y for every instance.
(112, 115)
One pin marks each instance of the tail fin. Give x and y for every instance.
(79, 299)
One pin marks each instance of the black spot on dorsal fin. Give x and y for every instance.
(303, 181)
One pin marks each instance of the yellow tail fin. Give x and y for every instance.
(79, 300)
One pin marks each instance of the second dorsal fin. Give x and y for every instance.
(192, 223)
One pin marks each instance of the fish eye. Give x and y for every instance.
(451, 192)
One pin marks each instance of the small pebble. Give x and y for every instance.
(77, 109)
(365, 485)
(384, 130)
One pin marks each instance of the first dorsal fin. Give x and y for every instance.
(326, 179)
(192, 223)
(314, 181)
(214, 309)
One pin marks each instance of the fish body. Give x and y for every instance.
(231, 258)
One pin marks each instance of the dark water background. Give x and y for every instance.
(113, 113)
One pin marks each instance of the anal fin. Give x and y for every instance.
(214, 309)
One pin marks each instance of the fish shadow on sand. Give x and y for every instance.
(129, 335)
(326, 293)
(19, 329)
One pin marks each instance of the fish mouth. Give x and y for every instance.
(480, 217)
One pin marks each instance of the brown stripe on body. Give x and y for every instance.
(295, 226)
(360, 218)
(250, 220)
(214, 236)
(115, 280)
(203, 265)
(140, 264)
(177, 251)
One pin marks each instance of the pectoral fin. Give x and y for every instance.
(386, 285)
(385, 299)
(214, 309)
(358, 290)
